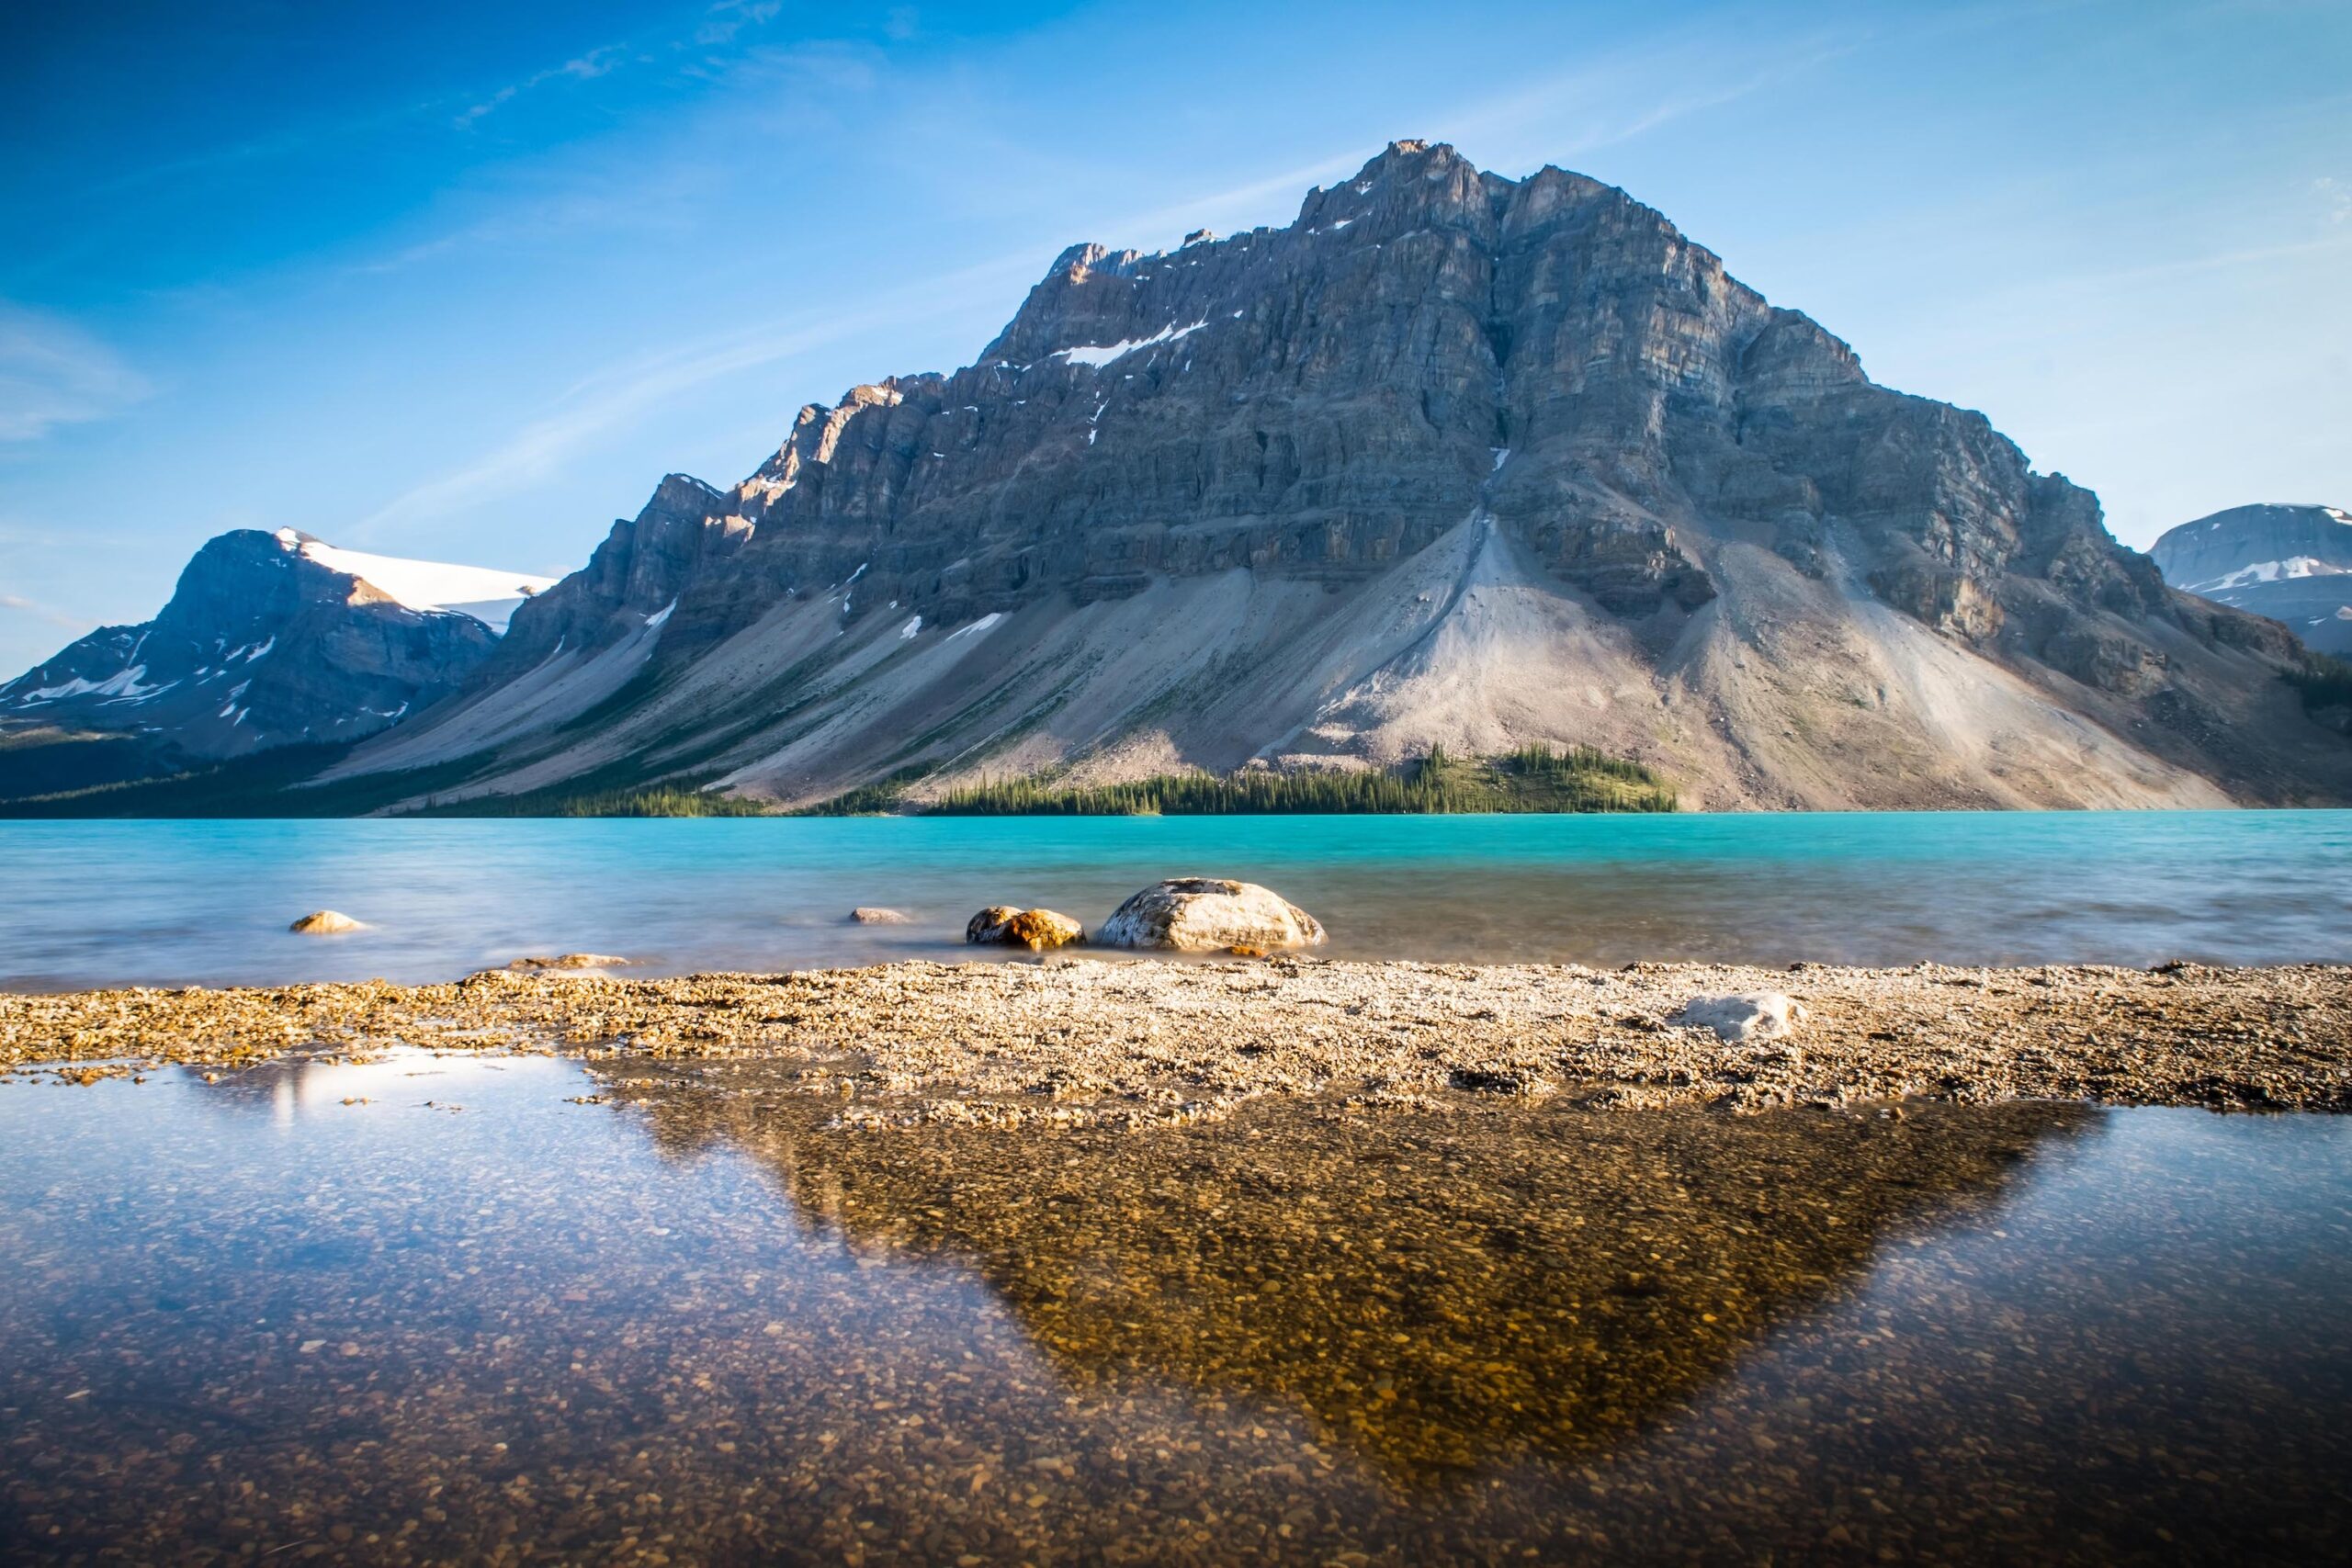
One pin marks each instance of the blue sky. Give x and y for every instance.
(464, 281)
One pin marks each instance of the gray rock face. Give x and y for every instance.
(634, 577)
(260, 646)
(2291, 563)
(1453, 460)
(1208, 914)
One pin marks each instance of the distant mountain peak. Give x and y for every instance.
(2289, 562)
(271, 638)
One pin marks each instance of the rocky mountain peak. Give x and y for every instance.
(1452, 459)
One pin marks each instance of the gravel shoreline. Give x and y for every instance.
(1080, 1041)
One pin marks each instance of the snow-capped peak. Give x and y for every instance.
(484, 593)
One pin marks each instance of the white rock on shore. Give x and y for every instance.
(1747, 1015)
(1207, 914)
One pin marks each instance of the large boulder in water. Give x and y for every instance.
(1208, 914)
(325, 922)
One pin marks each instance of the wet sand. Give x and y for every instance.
(1075, 1041)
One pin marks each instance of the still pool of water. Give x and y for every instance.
(461, 1310)
(106, 903)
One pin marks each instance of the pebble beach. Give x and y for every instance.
(1074, 1040)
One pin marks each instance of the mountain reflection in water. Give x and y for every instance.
(444, 1310)
(1438, 1291)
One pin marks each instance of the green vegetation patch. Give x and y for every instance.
(266, 783)
(2323, 680)
(46, 759)
(886, 796)
(580, 797)
(1534, 778)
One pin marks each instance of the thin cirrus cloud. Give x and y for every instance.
(582, 68)
(16, 603)
(53, 373)
(614, 396)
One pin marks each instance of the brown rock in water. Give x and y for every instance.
(1209, 914)
(325, 922)
(989, 923)
(873, 914)
(1038, 930)
(1035, 930)
(568, 961)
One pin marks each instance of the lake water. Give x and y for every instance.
(442, 1310)
(178, 902)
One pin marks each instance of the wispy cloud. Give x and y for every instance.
(53, 373)
(580, 68)
(1625, 95)
(16, 603)
(2335, 198)
(1604, 103)
(731, 17)
(625, 391)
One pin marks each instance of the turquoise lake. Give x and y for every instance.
(178, 902)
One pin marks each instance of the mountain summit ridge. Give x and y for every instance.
(1452, 459)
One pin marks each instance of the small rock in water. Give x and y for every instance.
(325, 922)
(873, 915)
(1749, 1015)
(1209, 914)
(568, 961)
(1035, 930)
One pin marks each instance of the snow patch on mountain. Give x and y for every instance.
(1098, 356)
(2268, 572)
(484, 593)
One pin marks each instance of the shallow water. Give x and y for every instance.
(178, 902)
(436, 1310)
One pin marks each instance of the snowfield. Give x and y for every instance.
(484, 593)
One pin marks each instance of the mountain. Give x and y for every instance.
(271, 639)
(1452, 460)
(2291, 563)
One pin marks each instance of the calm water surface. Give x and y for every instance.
(178, 902)
(438, 1310)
